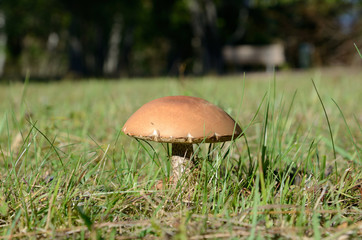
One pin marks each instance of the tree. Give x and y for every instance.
(153, 37)
(37, 18)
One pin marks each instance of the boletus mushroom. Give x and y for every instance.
(181, 121)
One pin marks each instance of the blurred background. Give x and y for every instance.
(56, 39)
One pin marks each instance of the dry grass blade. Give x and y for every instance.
(344, 231)
(239, 233)
(17, 142)
(72, 230)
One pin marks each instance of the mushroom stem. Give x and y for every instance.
(180, 160)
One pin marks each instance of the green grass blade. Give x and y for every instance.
(349, 132)
(355, 45)
(262, 160)
(340, 150)
(326, 115)
(357, 123)
(26, 83)
(2, 123)
(50, 142)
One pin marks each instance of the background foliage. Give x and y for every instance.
(52, 38)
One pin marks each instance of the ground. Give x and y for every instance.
(69, 172)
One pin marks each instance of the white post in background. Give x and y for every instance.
(111, 62)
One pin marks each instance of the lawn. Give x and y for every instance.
(67, 170)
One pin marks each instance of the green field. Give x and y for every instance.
(67, 170)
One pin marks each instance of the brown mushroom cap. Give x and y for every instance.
(181, 119)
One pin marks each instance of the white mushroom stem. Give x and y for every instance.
(181, 160)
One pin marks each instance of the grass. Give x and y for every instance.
(69, 172)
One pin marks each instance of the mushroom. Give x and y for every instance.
(181, 121)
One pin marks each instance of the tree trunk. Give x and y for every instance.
(111, 62)
(206, 40)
